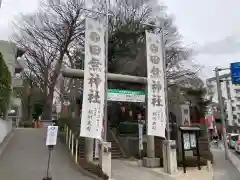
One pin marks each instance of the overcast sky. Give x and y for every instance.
(213, 25)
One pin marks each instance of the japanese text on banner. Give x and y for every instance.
(156, 96)
(94, 80)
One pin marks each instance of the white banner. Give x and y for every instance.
(52, 132)
(185, 111)
(140, 135)
(156, 96)
(94, 80)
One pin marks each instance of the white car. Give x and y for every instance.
(233, 138)
(237, 146)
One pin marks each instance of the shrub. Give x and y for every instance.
(92, 168)
(69, 121)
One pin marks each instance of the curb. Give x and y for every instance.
(5, 142)
(234, 160)
(83, 171)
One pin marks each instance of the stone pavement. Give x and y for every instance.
(130, 170)
(25, 158)
(223, 169)
(121, 170)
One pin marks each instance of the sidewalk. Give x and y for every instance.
(130, 170)
(223, 169)
(26, 155)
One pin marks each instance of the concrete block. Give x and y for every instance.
(151, 162)
(209, 166)
(169, 157)
(140, 163)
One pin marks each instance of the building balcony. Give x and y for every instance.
(17, 82)
(16, 102)
(237, 103)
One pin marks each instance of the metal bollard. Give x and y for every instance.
(76, 151)
(69, 139)
(66, 134)
(72, 147)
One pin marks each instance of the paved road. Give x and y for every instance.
(25, 158)
(223, 169)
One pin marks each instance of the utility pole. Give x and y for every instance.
(220, 101)
(229, 99)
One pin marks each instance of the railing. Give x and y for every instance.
(72, 142)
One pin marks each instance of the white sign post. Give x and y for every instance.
(51, 141)
(140, 131)
(140, 135)
(156, 85)
(94, 80)
(52, 132)
(185, 111)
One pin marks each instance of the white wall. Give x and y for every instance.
(5, 128)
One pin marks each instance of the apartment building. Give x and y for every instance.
(11, 55)
(231, 97)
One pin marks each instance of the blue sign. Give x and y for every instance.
(235, 72)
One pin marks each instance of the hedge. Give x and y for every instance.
(69, 121)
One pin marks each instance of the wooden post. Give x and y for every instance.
(183, 153)
(198, 153)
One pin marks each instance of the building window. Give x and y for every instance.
(234, 108)
(234, 116)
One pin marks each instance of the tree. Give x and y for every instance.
(53, 37)
(5, 87)
(126, 52)
(32, 99)
(197, 98)
(47, 36)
